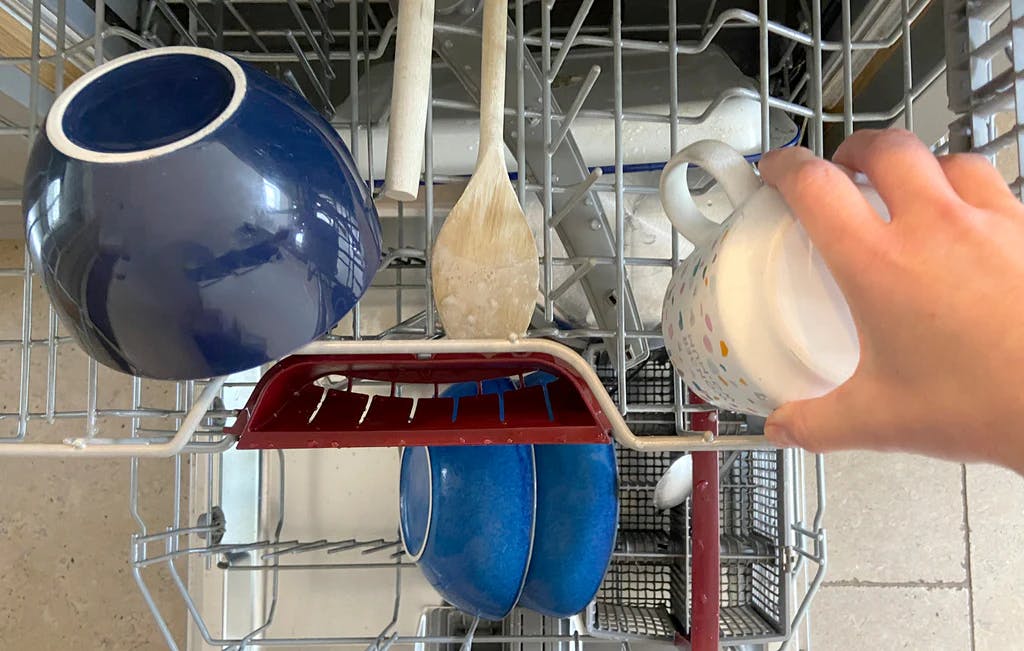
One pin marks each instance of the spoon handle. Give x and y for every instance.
(492, 77)
(410, 89)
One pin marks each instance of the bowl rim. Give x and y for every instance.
(533, 528)
(430, 503)
(63, 144)
(430, 512)
(610, 449)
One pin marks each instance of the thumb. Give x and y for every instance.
(820, 424)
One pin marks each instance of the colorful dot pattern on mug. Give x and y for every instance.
(696, 343)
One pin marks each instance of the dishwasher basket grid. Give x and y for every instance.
(646, 593)
(803, 59)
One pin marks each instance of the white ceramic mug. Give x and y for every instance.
(752, 318)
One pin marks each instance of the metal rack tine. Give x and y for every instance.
(293, 81)
(175, 23)
(579, 191)
(245, 25)
(354, 544)
(342, 546)
(582, 270)
(200, 18)
(310, 74)
(320, 53)
(570, 37)
(574, 108)
(380, 547)
(302, 547)
(325, 28)
(376, 646)
(467, 642)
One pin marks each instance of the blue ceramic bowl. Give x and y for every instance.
(192, 217)
(466, 517)
(577, 517)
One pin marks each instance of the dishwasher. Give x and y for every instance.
(265, 547)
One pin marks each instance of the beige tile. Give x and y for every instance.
(995, 507)
(12, 253)
(884, 619)
(65, 577)
(893, 518)
(1006, 158)
(12, 256)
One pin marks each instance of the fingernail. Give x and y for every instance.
(779, 436)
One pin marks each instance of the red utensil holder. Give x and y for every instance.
(288, 409)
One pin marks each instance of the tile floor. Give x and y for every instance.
(923, 554)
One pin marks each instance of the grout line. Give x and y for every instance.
(969, 577)
(927, 585)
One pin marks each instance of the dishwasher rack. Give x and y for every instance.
(804, 74)
(235, 555)
(827, 66)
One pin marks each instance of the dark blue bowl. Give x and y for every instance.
(577, 517)
(192, 217)
(466, 516)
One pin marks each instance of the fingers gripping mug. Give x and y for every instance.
(752, 318)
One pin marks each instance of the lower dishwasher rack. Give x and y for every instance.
(322, 563)
(299, 548)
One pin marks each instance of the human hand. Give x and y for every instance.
(937, 296)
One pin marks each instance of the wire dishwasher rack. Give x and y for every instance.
(298, 548)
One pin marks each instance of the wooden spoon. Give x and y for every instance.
(484, 267)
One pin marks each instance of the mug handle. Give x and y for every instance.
(725, 164)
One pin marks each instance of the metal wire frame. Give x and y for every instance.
(986, 45)
(375, 40)
(643, 595)
(177, 543)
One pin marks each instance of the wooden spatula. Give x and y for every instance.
(484, 268)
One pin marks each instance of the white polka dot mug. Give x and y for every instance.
(752, 318)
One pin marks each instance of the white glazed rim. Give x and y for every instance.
(430, 506)
(55, 120)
